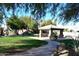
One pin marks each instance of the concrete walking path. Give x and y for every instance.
(45, 50)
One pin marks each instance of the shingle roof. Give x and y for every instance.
(52, 27)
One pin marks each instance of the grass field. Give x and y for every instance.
(18, 44)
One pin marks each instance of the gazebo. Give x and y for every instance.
(50, 28)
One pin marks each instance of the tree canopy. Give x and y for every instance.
(21, 23)
(29, 22)
(48, 22)
(14, 23)
(1, 17)
(59, 11)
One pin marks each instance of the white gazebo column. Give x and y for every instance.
(61, 33)
(49, 35)
(40, 33)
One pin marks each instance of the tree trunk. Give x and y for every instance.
(22, 30)
(2, 32)
(7, 32)
(16, 32)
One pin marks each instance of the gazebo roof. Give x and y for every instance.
(51, 27)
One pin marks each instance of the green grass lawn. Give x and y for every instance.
(18, 44)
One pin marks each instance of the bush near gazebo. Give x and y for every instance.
(71, 45)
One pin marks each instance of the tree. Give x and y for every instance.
(15, 23)
(38, 10)
(63, 11)
(1, 21)
(29, 22)
(1, 18)
(32, 25)
(48, 22)
(72, 12)
(21, 23)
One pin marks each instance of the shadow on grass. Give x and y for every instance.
(20, 46)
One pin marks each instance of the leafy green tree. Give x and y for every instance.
(48, 22)
(68, 12)
(15, 23)
(72, 12)
(21, 23)
(66, 30)
(29, 22)
(38, 10)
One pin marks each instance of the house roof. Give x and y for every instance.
(52, 27)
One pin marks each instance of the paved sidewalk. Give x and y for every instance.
(46, 50)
